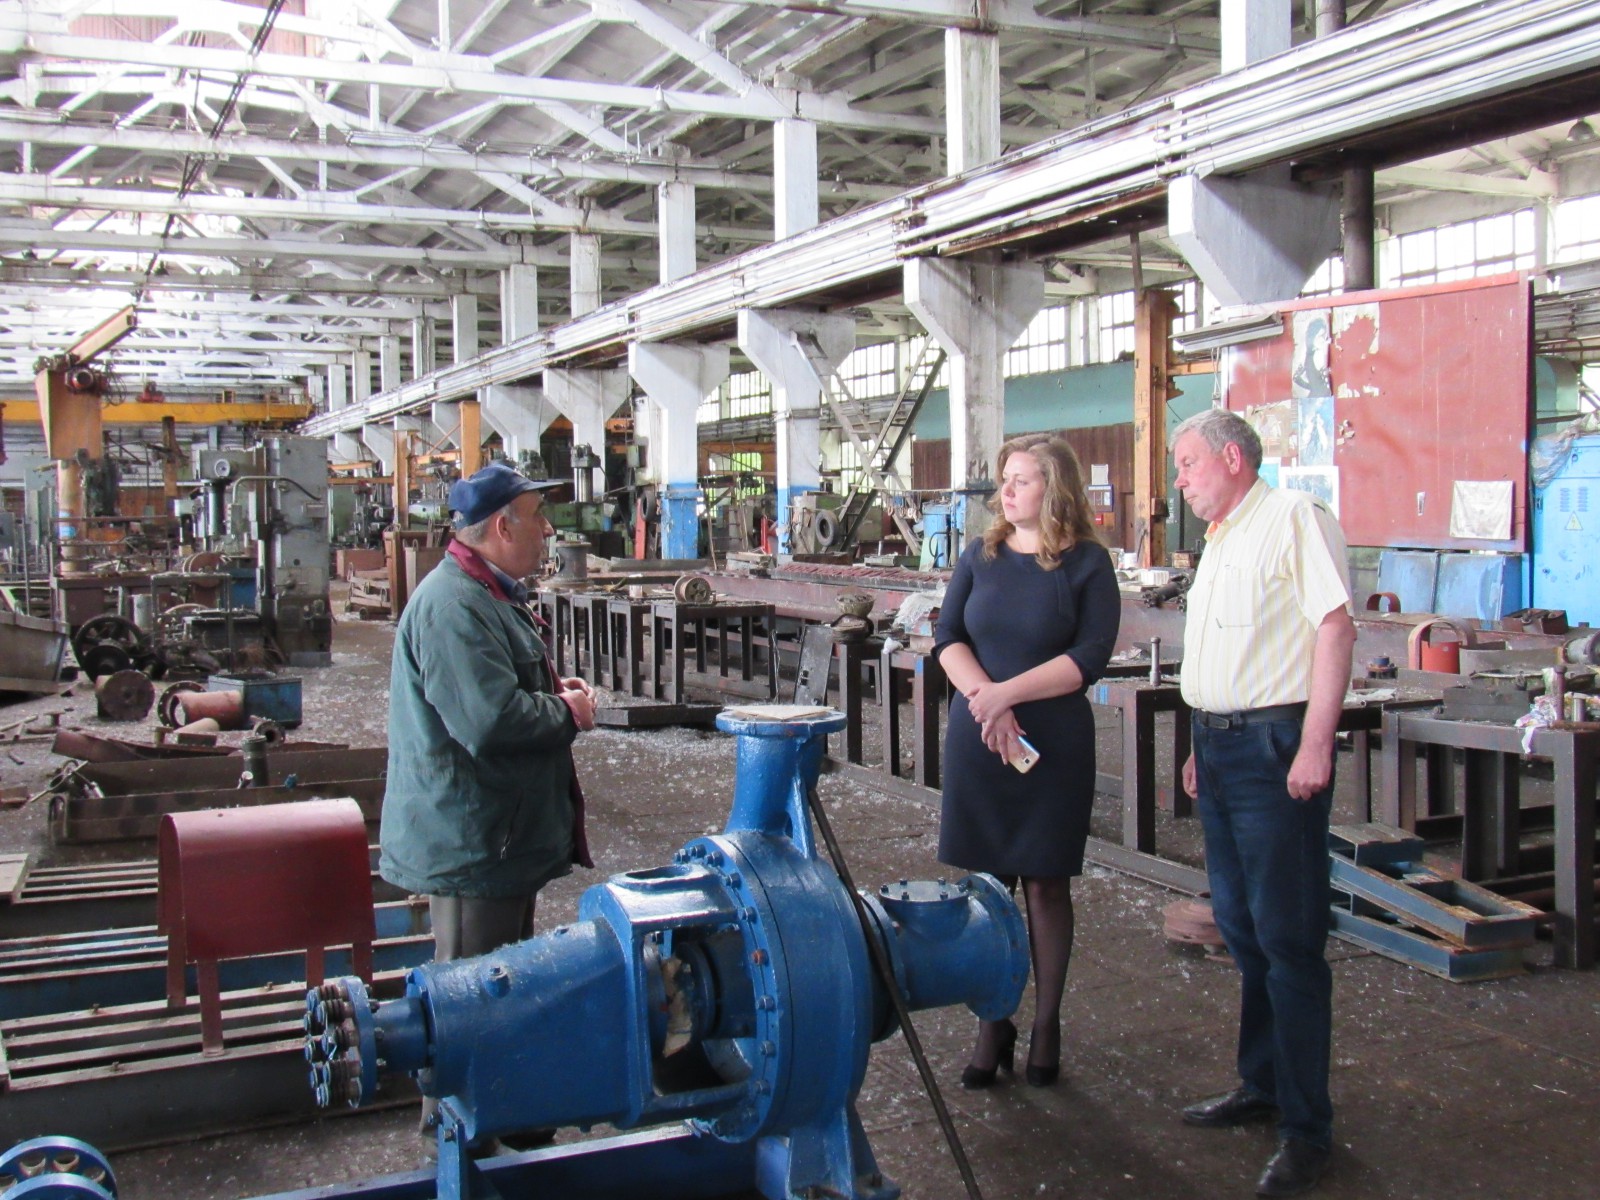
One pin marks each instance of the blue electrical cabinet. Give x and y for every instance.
(1566, 537)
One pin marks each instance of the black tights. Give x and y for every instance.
(1050, 930)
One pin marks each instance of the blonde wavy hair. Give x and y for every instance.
(1064, 519)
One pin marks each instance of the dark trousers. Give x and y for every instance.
(1267, 859)
(465, 927)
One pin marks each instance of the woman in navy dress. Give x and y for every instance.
(1029, 621)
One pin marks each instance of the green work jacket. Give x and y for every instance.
(479, 796)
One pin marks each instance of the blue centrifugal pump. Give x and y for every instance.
(733, 989)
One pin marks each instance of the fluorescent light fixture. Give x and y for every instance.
(387, 139)
(1229, 333)
(34, 116)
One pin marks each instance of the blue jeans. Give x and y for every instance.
(1267, 858)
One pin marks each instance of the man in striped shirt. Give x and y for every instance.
(1266, 664)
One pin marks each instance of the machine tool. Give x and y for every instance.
(266, 508)
(732, 990)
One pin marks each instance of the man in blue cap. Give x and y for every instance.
(481, 807)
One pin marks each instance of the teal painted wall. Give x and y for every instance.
(1076, 399)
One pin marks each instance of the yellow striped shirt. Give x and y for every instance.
(1272, 570)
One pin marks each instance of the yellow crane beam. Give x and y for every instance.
(139, 412)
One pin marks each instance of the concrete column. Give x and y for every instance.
(518, 414)
(464, 348)
(584, 249)
(675, 228)
(343, 447)
(337, 388)
(769, 338)
(588, 398)
(677, 378)
(380, 440)
(794, 177)
(423, 352)
(1257, 238)
(1254, 29)
(977, 310)
(972, 98)
(519, 302)
(360, 376)
(389, 363)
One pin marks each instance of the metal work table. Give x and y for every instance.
(1492, 817)
(625, 636)
(1139, 700)
(928, 686)
(676, 627)
(580, 628)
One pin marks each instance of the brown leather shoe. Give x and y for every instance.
(1237, 1107)
(1297, 1167)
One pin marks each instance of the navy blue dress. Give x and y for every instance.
(1015, 615)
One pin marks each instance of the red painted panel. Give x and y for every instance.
(1444, 395)
(265, 879)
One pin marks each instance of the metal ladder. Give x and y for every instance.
(877, 444)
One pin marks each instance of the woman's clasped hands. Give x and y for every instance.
(990, 706)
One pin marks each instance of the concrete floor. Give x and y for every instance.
(1484, 1089)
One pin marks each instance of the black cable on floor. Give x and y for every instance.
(880, 960)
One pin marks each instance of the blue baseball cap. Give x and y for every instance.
(491, 489)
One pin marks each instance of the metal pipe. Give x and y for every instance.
(1330, 17)
(1359, 229)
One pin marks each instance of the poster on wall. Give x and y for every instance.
(1321, 482)
(1275, 424)
(1312, 338)
(1315, 434)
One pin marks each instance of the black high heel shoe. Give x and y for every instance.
(1041, 1076)
(974, 1078)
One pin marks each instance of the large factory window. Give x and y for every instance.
(1576, 230)
(1469, 250)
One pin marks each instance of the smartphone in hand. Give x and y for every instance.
(1024, 762)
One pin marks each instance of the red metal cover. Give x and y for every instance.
(263, 880)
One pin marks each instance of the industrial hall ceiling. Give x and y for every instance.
(277, 185)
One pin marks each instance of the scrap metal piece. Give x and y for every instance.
(225, 708)
(692, 589)
(171, 697)
(109, 643)
(1433, 955)
(114, 801)
(124, 696)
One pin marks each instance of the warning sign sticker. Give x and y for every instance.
(1573, 525)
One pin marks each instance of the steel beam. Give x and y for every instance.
(134, 1075)
(20, 412)
(128, 966)
(1389, 89)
